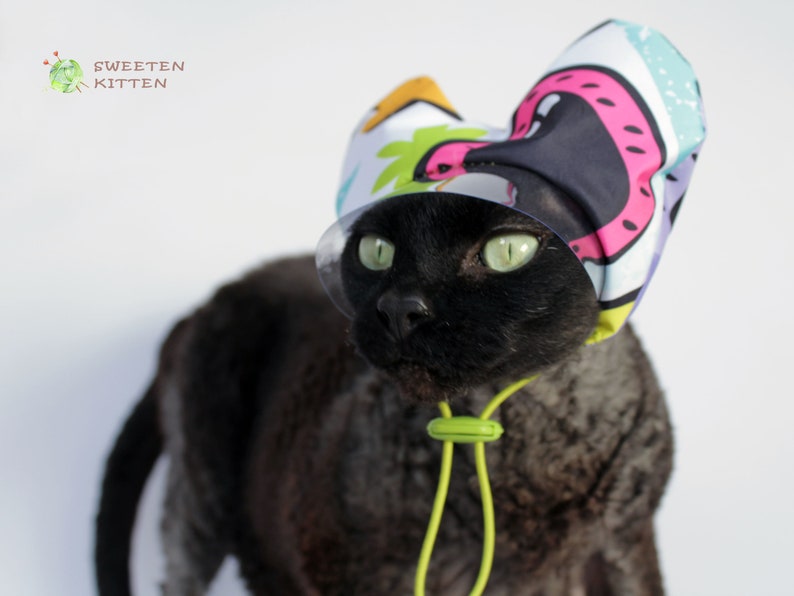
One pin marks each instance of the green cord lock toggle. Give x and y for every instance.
(465, 429)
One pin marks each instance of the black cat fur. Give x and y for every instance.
(296, 438)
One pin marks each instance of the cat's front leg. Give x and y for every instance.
(193, 553)
(631, 565)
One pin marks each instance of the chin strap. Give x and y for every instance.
(465, 429)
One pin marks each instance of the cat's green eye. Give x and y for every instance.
(375, 252)
(508, 252)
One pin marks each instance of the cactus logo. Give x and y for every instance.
(66, 76)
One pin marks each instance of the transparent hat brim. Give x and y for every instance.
(330, 248)
(556, 208)
(328, 258)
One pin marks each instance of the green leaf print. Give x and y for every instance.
(408, 153)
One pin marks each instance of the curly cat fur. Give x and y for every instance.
(290, 451)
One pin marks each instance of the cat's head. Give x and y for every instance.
(447, 292)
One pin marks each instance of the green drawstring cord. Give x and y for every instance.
(465, 429)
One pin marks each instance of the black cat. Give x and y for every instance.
(297, 437)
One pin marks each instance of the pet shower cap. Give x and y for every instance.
(616, 123)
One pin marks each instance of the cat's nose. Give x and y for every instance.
(401, 314)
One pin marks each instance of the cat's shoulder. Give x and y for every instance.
(287, 278)
(271, 305)
(285, 290)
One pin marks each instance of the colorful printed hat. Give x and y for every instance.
(616, 123)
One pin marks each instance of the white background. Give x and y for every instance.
(120, 210)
